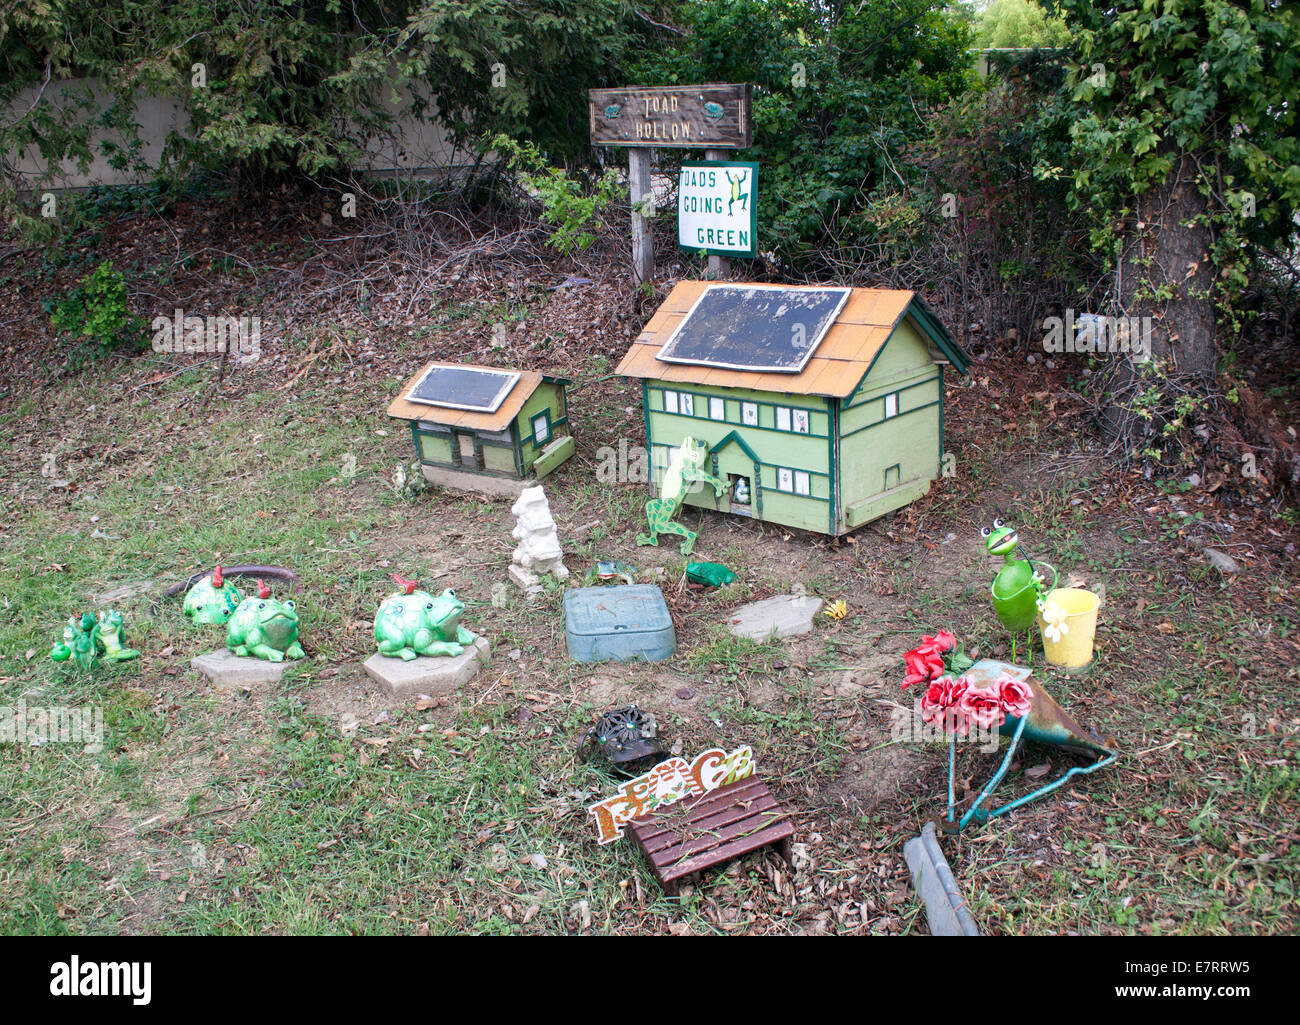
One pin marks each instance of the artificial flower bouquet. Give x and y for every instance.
(951, 698)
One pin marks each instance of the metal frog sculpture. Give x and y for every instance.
(1018, 589)
(685, 468)
(412, 622)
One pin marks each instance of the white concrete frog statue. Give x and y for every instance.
(539, 545)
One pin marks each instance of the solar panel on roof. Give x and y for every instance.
(472, 388)
(768, 328)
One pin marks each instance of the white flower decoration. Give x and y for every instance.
(1054, 625)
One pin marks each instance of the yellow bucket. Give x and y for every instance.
(1073, 649)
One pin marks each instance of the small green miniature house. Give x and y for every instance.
(821, 407)
(485, 429)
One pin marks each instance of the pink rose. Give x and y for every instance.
(1015, 695)
(942, 701)
(983, 706)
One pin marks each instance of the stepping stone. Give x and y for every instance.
(227, 671)
(786, 615)
(426, 675)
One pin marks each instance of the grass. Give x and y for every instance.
(211, 812)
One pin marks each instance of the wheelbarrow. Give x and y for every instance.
(1046, 723)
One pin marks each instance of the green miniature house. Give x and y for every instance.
(485, 429)
(821, 407)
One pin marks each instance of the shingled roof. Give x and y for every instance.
(837, 366)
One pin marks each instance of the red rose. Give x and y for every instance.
(983, 706)
(1015, 695)
(918, 669)
(943, 641)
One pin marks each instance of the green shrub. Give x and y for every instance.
(567, 206)
(96, 311)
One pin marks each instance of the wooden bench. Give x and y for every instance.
(696, 834)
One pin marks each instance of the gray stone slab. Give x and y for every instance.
(425, 675)
(463, 480)
(228, 671)
(786, 615)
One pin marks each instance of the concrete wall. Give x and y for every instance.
(419, 146)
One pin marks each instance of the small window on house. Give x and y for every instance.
(717, 408)
(802, 483)
(891, 405)
(784, 479)
(670, 401)
(801, 421)
(749, 414)
(541, 429)
(782, 418)
(688, 404)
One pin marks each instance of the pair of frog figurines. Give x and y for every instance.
(87, 638)
(409, 623)
(259, 625)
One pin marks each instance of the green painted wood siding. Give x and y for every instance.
(890, 428)
(549, 398)
(755, 444)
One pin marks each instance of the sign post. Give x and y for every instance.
(713, 117)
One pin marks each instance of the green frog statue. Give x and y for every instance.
(264, 628)
(212, 600)
(412, 622)
(86, 638)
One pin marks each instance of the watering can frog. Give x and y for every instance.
(1018, 588)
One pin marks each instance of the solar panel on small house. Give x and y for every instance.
(769, 328)
(463, 388)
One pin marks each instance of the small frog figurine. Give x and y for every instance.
(212, 600)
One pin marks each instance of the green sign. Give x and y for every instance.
(717, 207)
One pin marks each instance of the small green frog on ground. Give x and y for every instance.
(413, 623)
(264, 628)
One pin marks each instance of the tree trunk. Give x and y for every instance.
(1163, 285)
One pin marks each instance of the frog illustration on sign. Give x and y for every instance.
(413, 623)
(736, 194)
(713, 111)
(684, 468)
(264, 628)
(613, 111)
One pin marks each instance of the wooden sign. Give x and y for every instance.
(700, 116)
(667, 783)
(716, 207)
